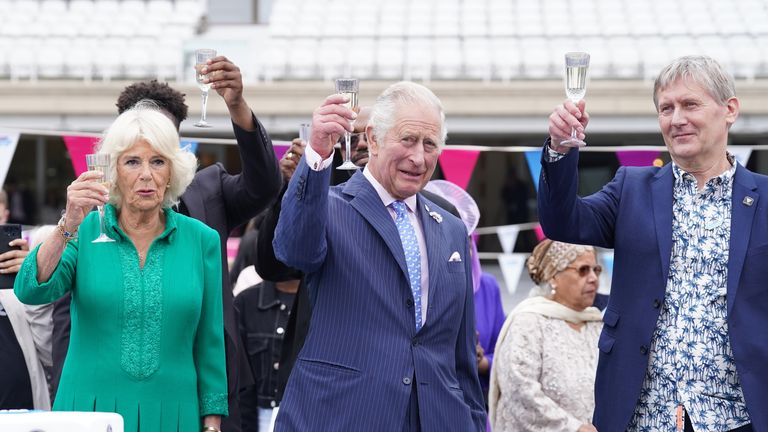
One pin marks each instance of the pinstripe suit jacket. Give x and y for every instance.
(362, 353)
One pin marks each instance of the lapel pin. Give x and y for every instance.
(435, 215)
(748, 201)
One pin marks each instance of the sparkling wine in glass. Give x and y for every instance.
(305, 129)
(100, 162)
(201, 57)
(576, 65)
(349, 88)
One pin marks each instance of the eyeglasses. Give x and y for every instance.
(584, 270)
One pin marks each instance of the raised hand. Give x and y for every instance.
(83, 194)
(565, 117)
(329, 122)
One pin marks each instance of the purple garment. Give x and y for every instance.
(489, 317)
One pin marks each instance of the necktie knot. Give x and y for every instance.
(400, 208)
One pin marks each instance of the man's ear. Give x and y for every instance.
(373, 144)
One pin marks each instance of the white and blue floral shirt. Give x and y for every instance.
(691, 362)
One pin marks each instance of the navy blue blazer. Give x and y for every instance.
(633, 215)
(362, 353)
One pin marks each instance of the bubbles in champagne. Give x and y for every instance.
(203, 86)
(352, 104)
(575, 82)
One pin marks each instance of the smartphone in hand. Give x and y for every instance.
(8, 232)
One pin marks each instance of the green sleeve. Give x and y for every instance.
(29, 291)
(210, 358)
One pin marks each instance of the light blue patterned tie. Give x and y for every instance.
(412, 255)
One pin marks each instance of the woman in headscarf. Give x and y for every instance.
(546, 355)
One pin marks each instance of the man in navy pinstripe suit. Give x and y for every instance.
(391, 339)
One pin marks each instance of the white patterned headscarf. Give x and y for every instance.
(550, 258)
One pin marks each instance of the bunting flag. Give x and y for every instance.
(8, 141)
(508, 237)
(512, 267)
(280, 149)
(78, 147)
(458, 165)
(534, 166)
(539, 232)
(741, 153)
(189, 145)
(637, 157)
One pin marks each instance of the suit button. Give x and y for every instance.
(414, 342)
(283, 307)
(656, 303)
(409, 303)
(273, 404)
(407, 381)
(280, 330)
(276, 366)
(643, 350)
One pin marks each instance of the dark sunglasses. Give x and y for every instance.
(584, 270)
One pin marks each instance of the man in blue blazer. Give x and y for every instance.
(681, 348)
(391, 339)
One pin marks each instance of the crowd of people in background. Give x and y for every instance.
(357, 300)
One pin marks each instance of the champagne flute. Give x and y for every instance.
(348, 87)
(576, 65)
(304, 130)
(100, 162)
(201, 57)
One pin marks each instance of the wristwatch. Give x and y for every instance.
(68, 236)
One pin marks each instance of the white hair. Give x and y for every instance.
(146, 123)
(403, 93)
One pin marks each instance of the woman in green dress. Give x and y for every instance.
(147, 339)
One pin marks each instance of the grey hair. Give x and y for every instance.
(404, 92)
(145, 123)
(702, 70)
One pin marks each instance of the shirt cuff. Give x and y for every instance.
(552, 155)
(315, 161)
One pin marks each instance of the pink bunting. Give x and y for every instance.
(280, 150)
(637, 157)
(78, 147)
(539, 232)
(458, 165)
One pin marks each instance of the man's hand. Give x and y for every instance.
(564, 118)
(329, 122)
(10, 262)
(291, 159)
(226, 79)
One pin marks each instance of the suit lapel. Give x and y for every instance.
(662, 187)
(433, 239)
(741, 222)
(367, 202)
(194, 203)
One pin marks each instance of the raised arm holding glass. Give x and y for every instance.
(147, 336)
(678, 350)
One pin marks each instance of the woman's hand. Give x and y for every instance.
(586, 427)
(10, 262)
(83, 194)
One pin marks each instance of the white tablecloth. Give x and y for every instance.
(44, 421)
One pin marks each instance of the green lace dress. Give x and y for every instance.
(147, 343)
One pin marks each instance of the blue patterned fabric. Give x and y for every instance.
(691, 362)
(412, 255)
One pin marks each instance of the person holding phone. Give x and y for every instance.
(24, 335)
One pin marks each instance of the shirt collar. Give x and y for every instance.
(385, 197)
(684, 176)
(110, 221)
